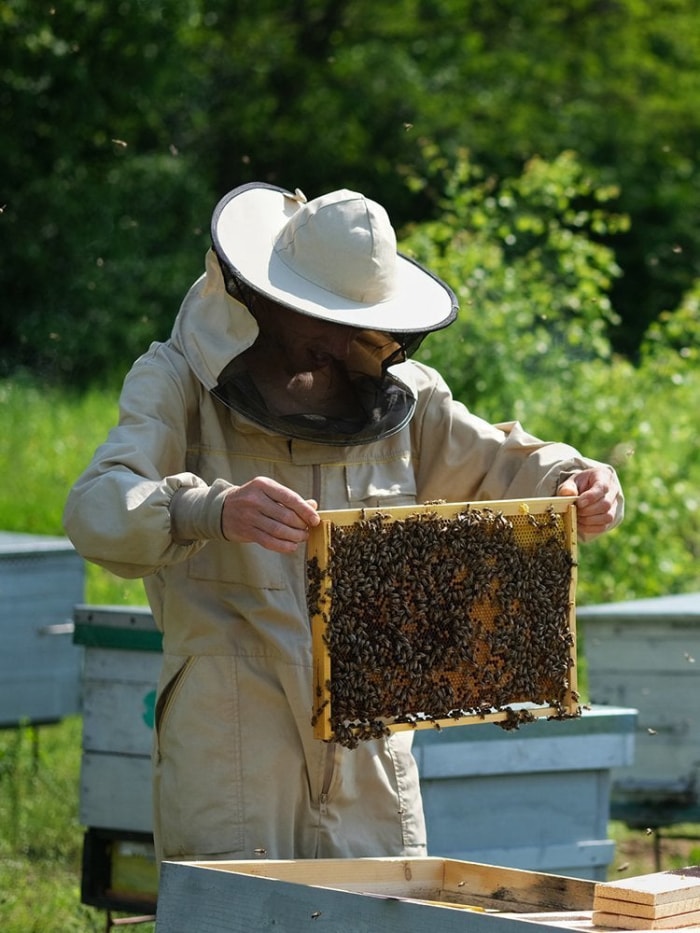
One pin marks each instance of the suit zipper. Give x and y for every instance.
(329, 762)
(316, 483)
(328, 769)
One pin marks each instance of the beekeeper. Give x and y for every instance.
(287, 386)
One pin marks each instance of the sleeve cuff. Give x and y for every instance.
(195, 512)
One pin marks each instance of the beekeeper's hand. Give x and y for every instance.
(267, 513)
(599, 506)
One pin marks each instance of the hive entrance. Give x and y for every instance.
(430, 616)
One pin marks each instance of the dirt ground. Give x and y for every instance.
(640, 852)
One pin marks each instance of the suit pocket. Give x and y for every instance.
(387, 482)
(198, 783)
(245, 564)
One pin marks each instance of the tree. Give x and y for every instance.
(531, 344)
(97, 202)
(124, 124)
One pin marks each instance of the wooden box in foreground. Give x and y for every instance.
(391, 895)
(376, 895)
(443, 614)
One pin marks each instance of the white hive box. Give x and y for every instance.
(122, 663)
(536, 799)
(646, 654)
(41, 579)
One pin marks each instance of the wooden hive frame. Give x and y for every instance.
(442, 614)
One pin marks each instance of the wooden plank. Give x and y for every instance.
(681, 609)
(545, 811)
(654, 650)
(508, 889)
(115, 792)
(110, 664)
(558, 504)
(41, 579)
(319, 547)
(43, 695)
(626, 922)
(518, 753)
(404, 876)
(118, 717)
(613, 905)
(513, 888)
(662, 887)
(127, 628)
(586, 860)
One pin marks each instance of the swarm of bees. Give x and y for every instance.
(435, 621)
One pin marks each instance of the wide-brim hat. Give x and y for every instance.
(333, 258)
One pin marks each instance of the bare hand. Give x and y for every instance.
(267, 513)
(598, 491)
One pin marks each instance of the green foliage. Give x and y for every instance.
(48, 438)
(123, 124)
(101, 227)
(532, 280)
(531, 344)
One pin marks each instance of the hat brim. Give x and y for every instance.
(245, 226)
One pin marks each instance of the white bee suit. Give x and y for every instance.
(237, 771)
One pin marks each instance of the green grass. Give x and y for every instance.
(40, 837)
(47, 438)
(39, 834)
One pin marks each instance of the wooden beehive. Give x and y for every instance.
(383, 895)
(645, 654)
(443, 614)
(122, 662)
(41, 579)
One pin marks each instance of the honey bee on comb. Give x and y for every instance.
(447, 614)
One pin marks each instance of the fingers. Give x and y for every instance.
(598, 492)
(264, 512)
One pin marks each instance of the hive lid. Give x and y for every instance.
(126, 628)
(16, 543)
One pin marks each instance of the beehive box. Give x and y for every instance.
(443, 614)
(390, 895)
(537, 798)
(376, 895)
(646, 654)
(41, 579)
(122, 662)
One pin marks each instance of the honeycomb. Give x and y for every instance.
(440, 615)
